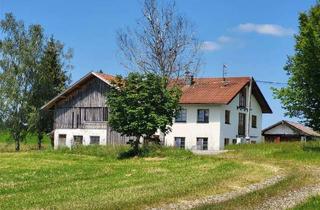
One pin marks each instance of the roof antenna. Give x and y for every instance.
(224, 73)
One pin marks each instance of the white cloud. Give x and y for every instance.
(216, 45)
(224, 39)
(210, 46)
(268, 29)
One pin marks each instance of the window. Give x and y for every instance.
(203, 116)
(181, 115)
(78, 140)
(242, 124)
(202, 143)
(227, 117)
(94, 139)
(226, 141)
(62, 140)
(234, 141)
(254, 121)
(242, 98)
(95, 114)
(179, 142)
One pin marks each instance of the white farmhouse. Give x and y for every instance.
(218, 111)
(215, 112)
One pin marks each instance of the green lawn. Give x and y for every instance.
(311, 204)
(93, 178)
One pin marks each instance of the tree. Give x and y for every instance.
(162, 42)
(140, 105)
(301, 98)
(50, 79)
(20, 52)
(32, 71)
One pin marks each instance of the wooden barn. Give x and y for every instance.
(80, 113)
(288, 131)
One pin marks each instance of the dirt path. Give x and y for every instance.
(188, 204)
(287, 200)
(290, 199)
(294, 197)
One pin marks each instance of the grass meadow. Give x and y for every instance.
(93, 177)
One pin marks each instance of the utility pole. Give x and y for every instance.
(249, 111)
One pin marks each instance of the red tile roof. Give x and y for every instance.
(202, 91)
(218, 91)
(105, 77)
(213, 90)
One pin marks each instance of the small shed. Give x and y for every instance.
(288, 131)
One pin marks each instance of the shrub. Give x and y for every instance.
(311, 146)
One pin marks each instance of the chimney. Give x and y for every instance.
(189, 78)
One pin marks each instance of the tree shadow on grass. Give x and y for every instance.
(144, 151)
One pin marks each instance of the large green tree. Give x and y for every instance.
(140, 105)
(301, 98)
(20, 52)
(31, 73)
(50, 78)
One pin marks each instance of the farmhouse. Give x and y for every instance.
(215, 112)
(288, 131)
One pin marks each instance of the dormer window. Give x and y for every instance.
(242, 98)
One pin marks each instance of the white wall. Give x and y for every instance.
(216, 130)
(191, 129)
(86, 133)
(231, 130)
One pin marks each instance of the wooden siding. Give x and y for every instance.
(85, 108)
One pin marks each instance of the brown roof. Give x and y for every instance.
(296, 126)
(304, 129)
(216, 91)
(104, 77)
(202, 91)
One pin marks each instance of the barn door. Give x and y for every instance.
(76, 118)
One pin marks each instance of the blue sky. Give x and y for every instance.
(252, 37)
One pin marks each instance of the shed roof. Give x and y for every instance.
(304, 130)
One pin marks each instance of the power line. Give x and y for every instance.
(271, 82)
